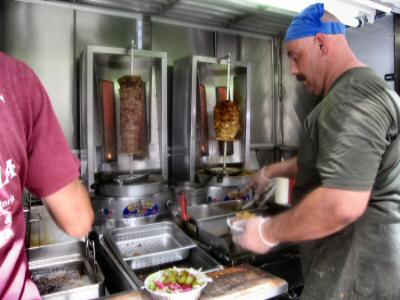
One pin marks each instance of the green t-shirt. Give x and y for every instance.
(351, 142)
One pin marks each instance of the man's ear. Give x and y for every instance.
(321, 40)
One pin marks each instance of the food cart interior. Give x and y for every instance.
(162, 196)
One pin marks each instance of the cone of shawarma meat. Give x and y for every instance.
(133, 124)
(226, 120)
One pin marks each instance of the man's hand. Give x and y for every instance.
(259, 182)
(253, 237)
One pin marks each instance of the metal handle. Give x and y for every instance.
(90, 243)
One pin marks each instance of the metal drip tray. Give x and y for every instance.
(131, 186)
(61, 277)
(65, 271)
(125, 179)
(149, 245)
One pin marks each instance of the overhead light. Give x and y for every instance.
(348, 12)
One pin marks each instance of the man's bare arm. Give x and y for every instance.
(71, 209)
(323, 212)
(286, 168)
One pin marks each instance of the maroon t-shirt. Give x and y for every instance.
(33, 154)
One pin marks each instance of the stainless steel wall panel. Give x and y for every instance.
(258, 53)
(295, 105)
(180, 41)
(103, 30)
(373, 45)
(180, 162)
(228, 43)
(43, 37)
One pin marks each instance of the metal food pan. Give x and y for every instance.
(65, 271)
(149, 245)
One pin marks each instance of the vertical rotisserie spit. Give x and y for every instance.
(222, 96)
(226, 120)
(133, 116)
(226, 114)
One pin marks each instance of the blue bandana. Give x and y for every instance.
(308, 23)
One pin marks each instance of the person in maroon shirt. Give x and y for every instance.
(33, 154)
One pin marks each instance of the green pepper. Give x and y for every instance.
(190, 279)
(165, 280)
(152, 286)
(182, 278)
(196, 283)
(170, 273)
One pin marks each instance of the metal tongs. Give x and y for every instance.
(260, 199)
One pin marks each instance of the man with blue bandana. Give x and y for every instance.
(346, 216)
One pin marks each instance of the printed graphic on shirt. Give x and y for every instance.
(2, 98)
(6, 232)
(7, 173)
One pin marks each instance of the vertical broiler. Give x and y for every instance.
(226, 119)
(124, 131)
(210, 125)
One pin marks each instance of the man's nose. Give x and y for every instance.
(294, 70)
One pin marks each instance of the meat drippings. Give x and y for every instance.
(60, 278)
(133, 116)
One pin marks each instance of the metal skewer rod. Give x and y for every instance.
(131, 157)
(132, 55)
(224, 158)
(227, 99)
(228, 78)
(131, 164)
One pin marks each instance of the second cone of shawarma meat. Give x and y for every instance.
(133, 116)
(226, 120)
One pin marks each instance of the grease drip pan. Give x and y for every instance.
(65, 271)
(149, 245)
(130, 186)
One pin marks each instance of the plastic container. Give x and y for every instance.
(193, 294)
(236, 226)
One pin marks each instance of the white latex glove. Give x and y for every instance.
(259, 181)
(253, 236)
